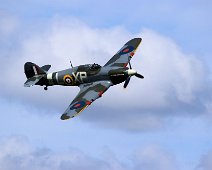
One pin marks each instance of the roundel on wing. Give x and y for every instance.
(126, 50)
(68, 80)
(78, 105)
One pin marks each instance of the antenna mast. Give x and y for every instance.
(71, 64)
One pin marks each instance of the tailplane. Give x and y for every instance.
(33, 80)
(34, 74)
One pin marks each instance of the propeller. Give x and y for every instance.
(139, 76)
(127, 81)
(130, 65)
(131, 73)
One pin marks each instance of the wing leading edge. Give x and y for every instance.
(123, 56)
(88, 93)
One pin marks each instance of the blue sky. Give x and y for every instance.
(161, 122)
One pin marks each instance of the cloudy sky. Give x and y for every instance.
(160, 123)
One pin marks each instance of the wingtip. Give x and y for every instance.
(26, 85)
(64, 117)
(138, 38)
(135, 41)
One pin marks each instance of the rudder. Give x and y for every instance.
(32, 69)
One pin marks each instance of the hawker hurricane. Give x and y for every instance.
(92, 79)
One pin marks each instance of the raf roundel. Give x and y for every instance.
(68, 80)
(78, 105)
(126, 50)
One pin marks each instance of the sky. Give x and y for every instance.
(162, 122)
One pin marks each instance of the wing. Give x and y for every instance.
(123, 56)
(88, 93)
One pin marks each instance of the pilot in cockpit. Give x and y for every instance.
(95, 66)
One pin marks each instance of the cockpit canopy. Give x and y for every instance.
(89, 67)
(94, 66)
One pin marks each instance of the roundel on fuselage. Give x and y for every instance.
(68, 80)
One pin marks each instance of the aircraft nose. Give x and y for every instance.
(131, 72)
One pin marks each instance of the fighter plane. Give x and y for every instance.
(92, 79)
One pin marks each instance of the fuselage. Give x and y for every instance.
(86, 74)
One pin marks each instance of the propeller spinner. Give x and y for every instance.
(130, 72)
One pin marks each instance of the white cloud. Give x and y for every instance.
(205, 162)
(173, 80)
(8, 24)
(152, 158)
(170, 72)
(17, 153)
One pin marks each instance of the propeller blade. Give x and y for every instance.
(127, 82)
(139, 76)
(130, 65)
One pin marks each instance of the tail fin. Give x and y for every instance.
(32, 69)
(35, 74)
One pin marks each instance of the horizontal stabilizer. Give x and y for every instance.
(33, 80)
(46, 68)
